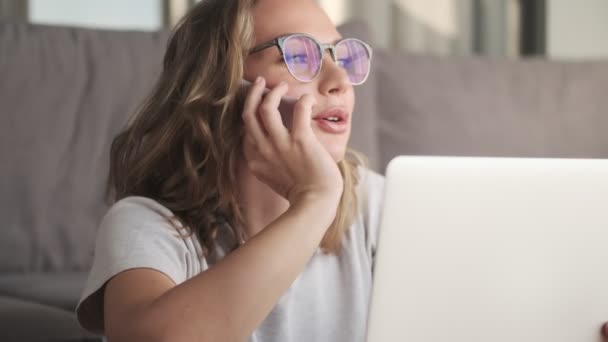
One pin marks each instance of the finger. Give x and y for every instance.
(302, 114)
(252, 102)
(270, 115)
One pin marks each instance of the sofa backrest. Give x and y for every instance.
(472, 106)
(64, 93)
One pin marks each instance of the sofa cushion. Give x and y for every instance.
(21, 320)
(491, 107)
(65, 93)
(55, 289)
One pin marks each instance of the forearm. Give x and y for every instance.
(228, 301)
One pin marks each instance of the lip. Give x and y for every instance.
(337, 127)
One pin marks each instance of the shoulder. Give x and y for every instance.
(132, 215)
(136, 232)
(137, 209)
(371, 189)
(370, 197)
(135, 225)
(371, 179)
(139, 232)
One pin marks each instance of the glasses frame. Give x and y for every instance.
(279, 42)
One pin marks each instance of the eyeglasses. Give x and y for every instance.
(303, 56)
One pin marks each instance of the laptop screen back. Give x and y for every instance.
(492, 249)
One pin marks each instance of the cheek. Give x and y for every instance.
(267, 67)
(250, 70)
(351, 100)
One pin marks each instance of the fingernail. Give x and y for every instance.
(258, 80)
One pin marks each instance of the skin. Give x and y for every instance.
(331, 88)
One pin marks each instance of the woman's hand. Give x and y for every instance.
(294, 164)
(605, 330)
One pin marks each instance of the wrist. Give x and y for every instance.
(329, 199)
(323, 204)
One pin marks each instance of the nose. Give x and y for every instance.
(333, 79)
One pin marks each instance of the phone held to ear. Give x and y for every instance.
(286, 106)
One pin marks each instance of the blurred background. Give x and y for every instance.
(557, 29)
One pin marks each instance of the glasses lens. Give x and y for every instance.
(354, 57)
(303, 57)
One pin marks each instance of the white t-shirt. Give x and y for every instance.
(327, 302)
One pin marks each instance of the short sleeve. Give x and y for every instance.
(372, 199)
(135, 233)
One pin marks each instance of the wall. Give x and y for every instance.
(577, 29)
(115, 14)
(437, 27)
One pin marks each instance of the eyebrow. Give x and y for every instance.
(331, 42)
(268, 43)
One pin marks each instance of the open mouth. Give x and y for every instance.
(336, 114)
(333, 121)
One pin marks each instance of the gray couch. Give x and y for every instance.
(64, 93)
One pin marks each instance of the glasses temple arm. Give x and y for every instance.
(264, 46)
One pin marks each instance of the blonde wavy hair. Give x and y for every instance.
(182, 147)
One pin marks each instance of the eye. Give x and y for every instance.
(345, 62)
(298, 58)
(348, 61)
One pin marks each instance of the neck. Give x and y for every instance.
(260, 204)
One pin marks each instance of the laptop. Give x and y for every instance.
(492, 249)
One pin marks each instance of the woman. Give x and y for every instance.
(228, 225)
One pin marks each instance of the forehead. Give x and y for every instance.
(273, 18)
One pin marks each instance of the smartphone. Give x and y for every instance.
(286, 106)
